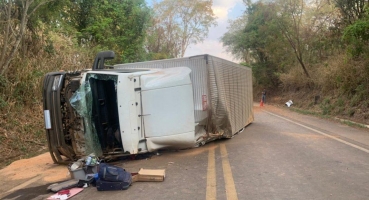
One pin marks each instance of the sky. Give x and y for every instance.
(224, 10)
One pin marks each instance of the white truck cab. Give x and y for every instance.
(155, 108)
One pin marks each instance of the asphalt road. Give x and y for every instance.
(281, 155)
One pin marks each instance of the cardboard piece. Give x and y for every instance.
(134, 177)
(72, 192)
(151, 175)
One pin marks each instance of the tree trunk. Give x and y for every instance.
(19, 38)
(6, 36)
(5, 62)
(303, 67)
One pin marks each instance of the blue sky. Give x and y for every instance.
(224, 10)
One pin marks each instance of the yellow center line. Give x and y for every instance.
(228, 177)
(211, 190)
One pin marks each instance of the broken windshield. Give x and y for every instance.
(96, 102)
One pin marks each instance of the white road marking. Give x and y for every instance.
(317, 131)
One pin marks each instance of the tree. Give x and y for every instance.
(14, 16)
(258, 41)
(277, 36)
(179, 23)
(351, 10)
(321, 30)
(290, 22)
(234, 39)
(119, 25)
(356, 35)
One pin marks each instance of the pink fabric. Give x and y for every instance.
(72, 193)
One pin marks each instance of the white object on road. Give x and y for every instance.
(289, 103)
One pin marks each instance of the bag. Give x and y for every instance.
(113, 173)
(102, 185)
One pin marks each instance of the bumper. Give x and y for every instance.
(59, 141)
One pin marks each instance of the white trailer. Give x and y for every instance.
(143, 107)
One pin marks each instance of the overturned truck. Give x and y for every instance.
(142, 107)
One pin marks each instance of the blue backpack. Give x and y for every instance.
(113, 173)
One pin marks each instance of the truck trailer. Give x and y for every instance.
(142, 107)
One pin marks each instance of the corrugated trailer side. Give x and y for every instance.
(232, 97)
(222, 92)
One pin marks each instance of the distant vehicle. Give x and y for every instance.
(143, 107)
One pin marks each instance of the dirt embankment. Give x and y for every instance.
(316, 103)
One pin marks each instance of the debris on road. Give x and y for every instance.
(149, 175)
(65, 194)
(112, 178)
(84, 169)
(104, 177)
(56, 187)
(289, 103)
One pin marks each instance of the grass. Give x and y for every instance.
(326, 106)
(351, 112)
(351, 123)
(309, 112)
(305, 112)
(3, 103)
(320, 115)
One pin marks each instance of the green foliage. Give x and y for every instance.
(339, 106)
(304, 112)
(3, 88)
(351, 10)
(118, 25)
(234, 39)
(56, 35)
(276, 37)
(357, 37)
(253, 38)
(3, 103)
(355, 100)
(49, 47)
(340, 102)
(351, 112)
(326, 107)
(158, 56)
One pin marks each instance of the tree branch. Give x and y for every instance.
(40, 4)
(22, 29)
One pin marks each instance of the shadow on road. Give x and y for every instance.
(28, 193)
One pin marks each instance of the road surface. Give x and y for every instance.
(281, 155)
